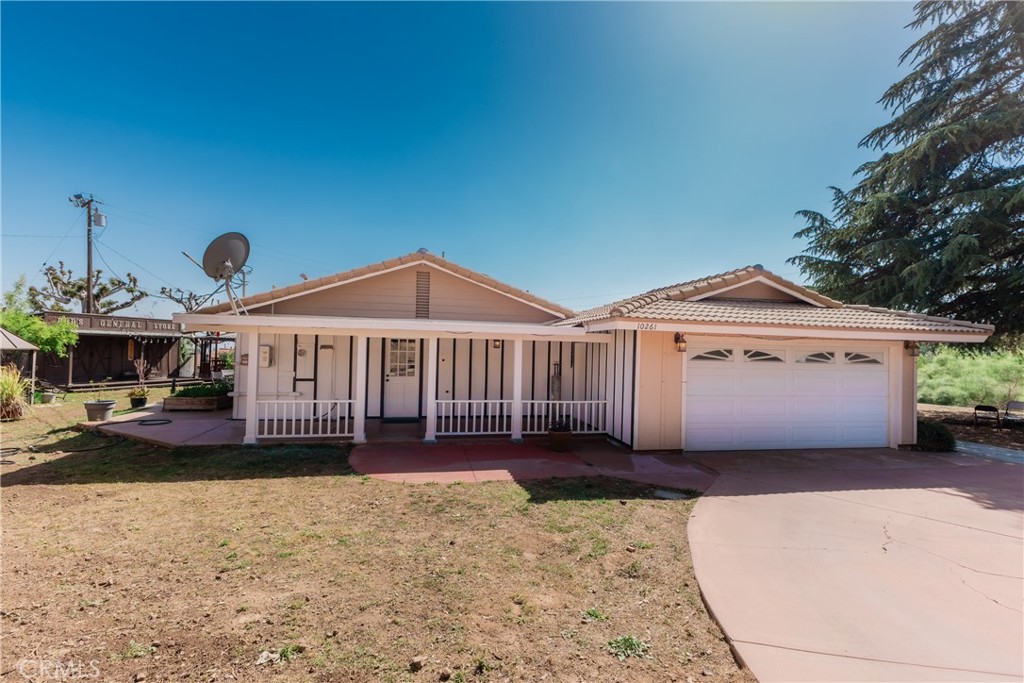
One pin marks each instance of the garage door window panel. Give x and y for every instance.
(758, 356)
(864, 358)
(817, 357)
(713, 355)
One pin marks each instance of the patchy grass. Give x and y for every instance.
(215, 555)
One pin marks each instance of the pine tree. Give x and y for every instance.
(936, 223)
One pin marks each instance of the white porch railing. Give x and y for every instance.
(457, 418)
(473, 417)
(304, 419)
(586, 417)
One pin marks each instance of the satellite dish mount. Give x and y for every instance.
(226, 256)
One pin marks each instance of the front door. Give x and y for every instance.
(401, 379)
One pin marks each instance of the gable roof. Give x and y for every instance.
(12, 342)
(696, 302)
(278, 294)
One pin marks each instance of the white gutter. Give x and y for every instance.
(726, 329)
(384, 327)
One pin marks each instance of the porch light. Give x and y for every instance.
(913, 348)
(680, 342)
(496, 343)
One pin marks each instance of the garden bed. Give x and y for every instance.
(197, 402)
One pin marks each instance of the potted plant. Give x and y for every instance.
(139, 394)
(560, 434)
(100, 409)
(214, 396)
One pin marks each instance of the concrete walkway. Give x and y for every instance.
(871, 565)
(174, 428)
(995, 452)
(473, 460)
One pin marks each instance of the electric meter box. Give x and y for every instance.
(266, 355)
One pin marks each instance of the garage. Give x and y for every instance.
(749, 395)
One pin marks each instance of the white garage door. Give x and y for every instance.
(746, 396)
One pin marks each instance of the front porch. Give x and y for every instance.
(455, 378)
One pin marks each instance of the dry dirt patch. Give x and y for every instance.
(961, 422)
(188, 564)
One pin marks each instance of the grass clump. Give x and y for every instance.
(628, 646)
(594, 614)
(13, 391)
(136, 650)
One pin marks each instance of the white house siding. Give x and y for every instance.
(286, 378)
(619, 380)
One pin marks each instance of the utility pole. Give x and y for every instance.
(81, 202)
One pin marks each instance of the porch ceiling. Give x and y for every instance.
(385, 327)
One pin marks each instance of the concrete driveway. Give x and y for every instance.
(869, 565)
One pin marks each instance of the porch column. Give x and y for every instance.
(252, 347)
(431, 434)
(517, 391)
(359, 406)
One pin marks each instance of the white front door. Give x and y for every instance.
(401, 378)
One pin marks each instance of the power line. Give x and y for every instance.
(46, 260)
(140, 267)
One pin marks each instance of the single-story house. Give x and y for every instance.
(740, 360)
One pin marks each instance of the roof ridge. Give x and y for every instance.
(276, 294)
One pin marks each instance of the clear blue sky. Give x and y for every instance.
(582, 151)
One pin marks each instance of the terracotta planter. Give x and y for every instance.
(99, 411)
(197, 402)
(559, 441)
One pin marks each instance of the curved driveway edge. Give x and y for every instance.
(869, 565)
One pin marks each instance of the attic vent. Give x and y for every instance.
(422, 294)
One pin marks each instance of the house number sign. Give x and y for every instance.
(647, 326)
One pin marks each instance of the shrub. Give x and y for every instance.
(13, 388)
(934, 437)
(953, 377)
(205, 390)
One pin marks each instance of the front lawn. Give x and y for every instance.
(189, 564)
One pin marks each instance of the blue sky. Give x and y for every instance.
(582, 151)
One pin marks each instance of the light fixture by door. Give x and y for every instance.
(680, 340)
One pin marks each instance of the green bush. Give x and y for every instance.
(934, 437)
(204, 390)
(13, 389)
(955, 377)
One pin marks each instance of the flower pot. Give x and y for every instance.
(138, 401)
(99, 411)
(559, 441)
(47, 397)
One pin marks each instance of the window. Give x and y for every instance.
(716, 354)
(865, 358)
(402, 358)
(762, 356)
(818, 357)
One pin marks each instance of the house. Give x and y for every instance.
(740, 360)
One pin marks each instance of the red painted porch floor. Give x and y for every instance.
(410, 461)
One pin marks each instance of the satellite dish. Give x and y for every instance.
(223, 258)
(226, 255)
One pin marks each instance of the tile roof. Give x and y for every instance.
(415, 257)
(673, 304)
(782, 313)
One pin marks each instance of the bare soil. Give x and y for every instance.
(136, 562)
(961, 422)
